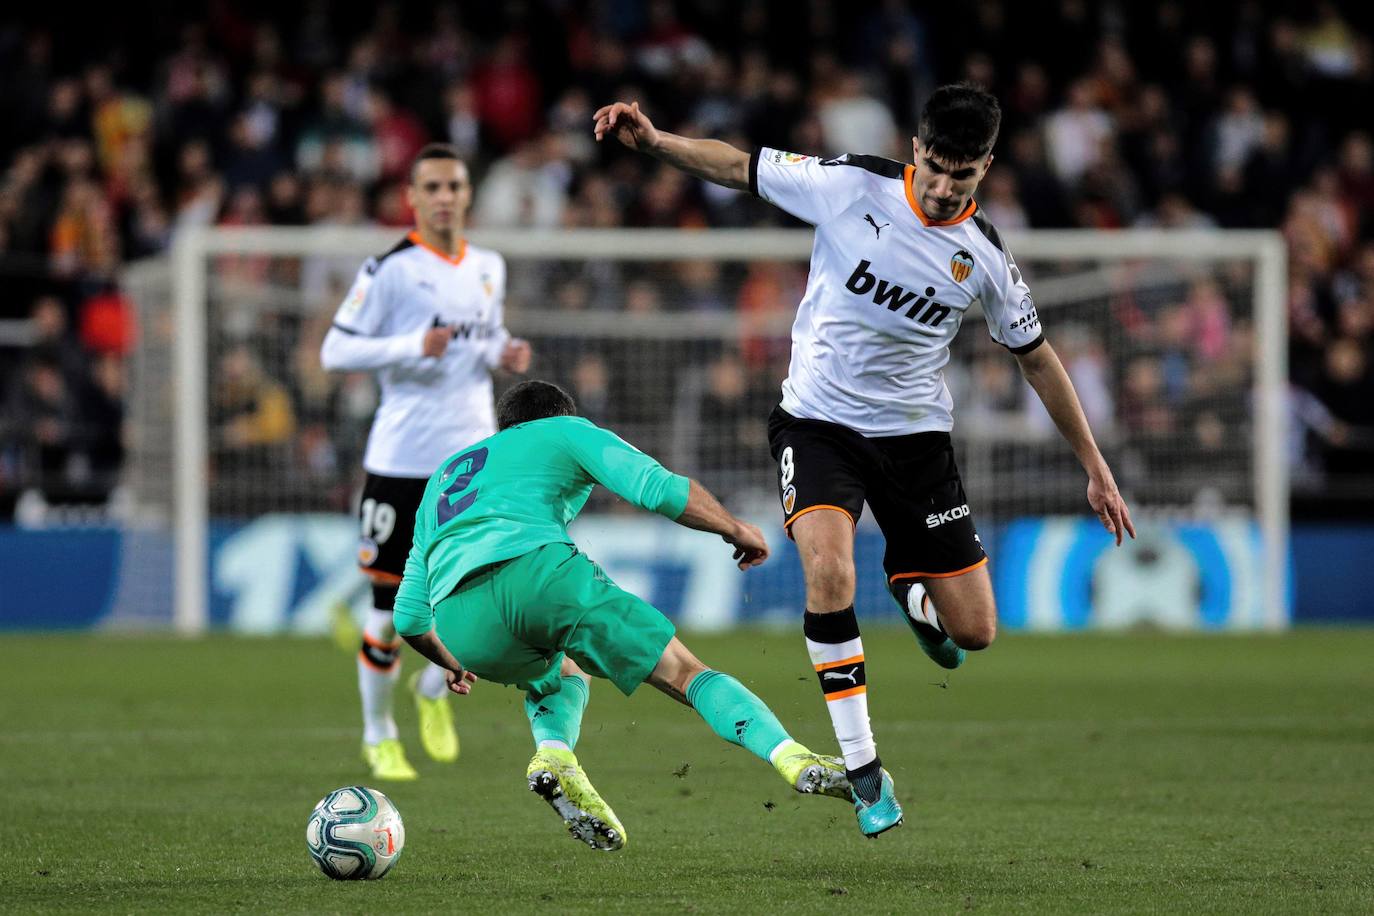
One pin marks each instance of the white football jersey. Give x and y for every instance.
(887, 291)
(430, 407)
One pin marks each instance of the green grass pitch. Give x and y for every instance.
(1142, 774)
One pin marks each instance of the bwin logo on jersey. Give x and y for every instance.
(934, 520)
(471, 331)
(895, 297)
(961, 265)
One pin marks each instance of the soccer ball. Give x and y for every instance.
(355, 833)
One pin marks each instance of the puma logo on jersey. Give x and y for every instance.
(924, 309)
(850, 675)
(935, 520)
(877, 230)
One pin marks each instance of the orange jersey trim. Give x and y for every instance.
(454, 259)
(853, 659)
(909, 181)
(943, 575)
(852, 691)
(788, 523)
(380, 577)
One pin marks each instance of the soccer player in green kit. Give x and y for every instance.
(495, 588)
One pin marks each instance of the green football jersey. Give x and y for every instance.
(512, 492)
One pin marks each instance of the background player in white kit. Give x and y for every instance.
(427, 317)
(900, 253)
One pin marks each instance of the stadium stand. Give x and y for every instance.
(1167, 115)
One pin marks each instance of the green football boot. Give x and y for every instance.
(555, 776)
(939, 647)
(813, 774)
(437, 734)
(882, 814)
(387, 758)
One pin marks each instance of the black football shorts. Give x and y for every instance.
(910, 482)
(386, 522)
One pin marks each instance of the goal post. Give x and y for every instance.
(1089, 285)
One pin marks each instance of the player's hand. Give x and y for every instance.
(460, 681)
(1111, 509)
(751, 548)
(627, 124)
(436, 339)
(515, 357)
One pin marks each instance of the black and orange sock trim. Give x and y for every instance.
(843, 678)
(834, 627)
(379, 656)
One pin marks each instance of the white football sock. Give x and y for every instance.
(921, 608)
(433, 683)
(840, 667)
(379, 665)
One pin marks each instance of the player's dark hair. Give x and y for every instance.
(533, 400)
(434, 151)
(960, 123)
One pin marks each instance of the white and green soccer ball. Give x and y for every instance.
(355, 833)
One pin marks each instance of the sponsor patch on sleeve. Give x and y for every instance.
(356, 297)
(353, 302)
(1026, 322)
(784, 158)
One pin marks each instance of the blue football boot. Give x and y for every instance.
(939, 647)
(883, 814)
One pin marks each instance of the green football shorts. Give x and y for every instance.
(513, 624)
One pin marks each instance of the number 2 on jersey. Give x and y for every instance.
(448, 508)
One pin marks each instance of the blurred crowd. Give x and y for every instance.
(1232, 114)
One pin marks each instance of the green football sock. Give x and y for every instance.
(558, 716)
(735, 714)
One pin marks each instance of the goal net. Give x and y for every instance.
(679, 341)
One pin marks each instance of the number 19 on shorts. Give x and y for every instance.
(378, 520)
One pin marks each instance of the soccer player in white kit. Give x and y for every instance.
(900, 254)
(427, 318)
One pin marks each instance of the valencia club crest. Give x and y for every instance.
(961, 265)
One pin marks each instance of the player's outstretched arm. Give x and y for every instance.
(414, 615)
(712, 160)
(705, 513)
(641, 481)
(1046, 375)
(429, 645)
